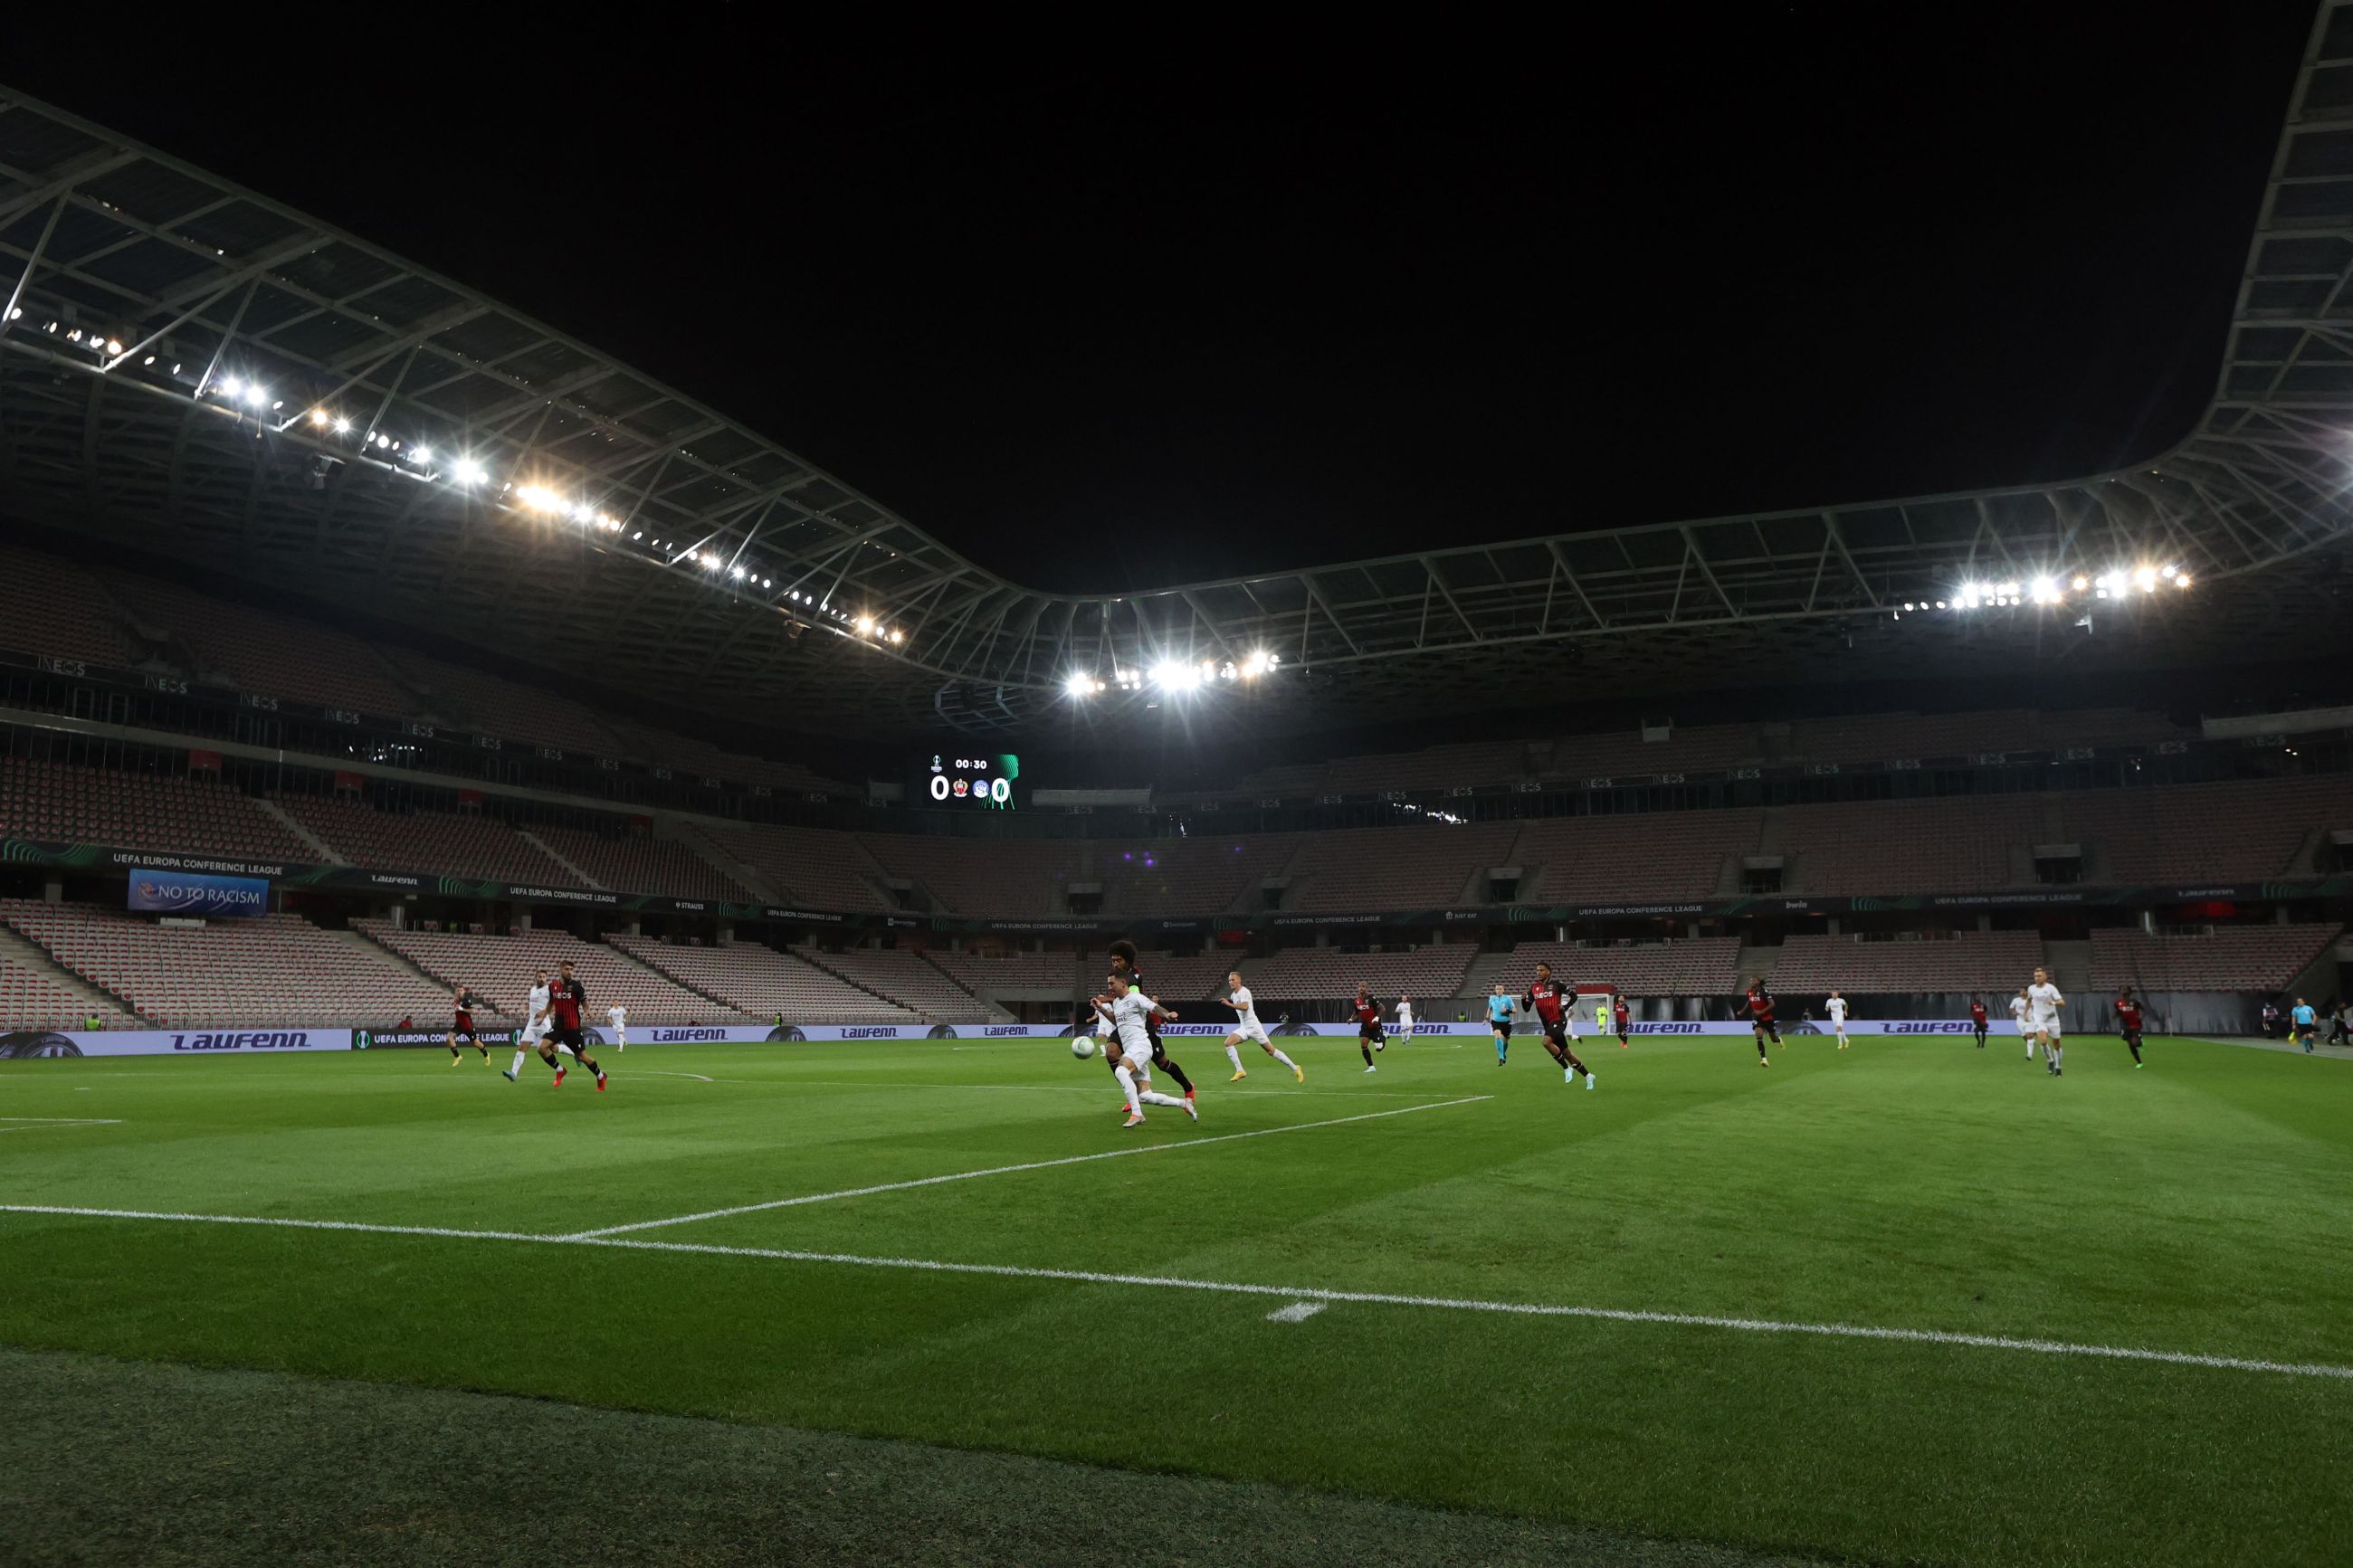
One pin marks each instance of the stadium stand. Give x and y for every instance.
(1617, 752)
(1996, 962)
(475, 699)
(260, 652)
(500, 967)
(685, 754)
(987, 975)
(449, 844)
(35, 998)
(1193, 977)
(634, 862)
(1394, 868)
(1202, 875)
(1005, 878)
(900, 975)
(52, 607)
(1433, 767)
(1695, 966)
(1631, 858)
(824, 871)
(268, 970)
(1952, 844)
(179, 814)
(2206, 832)
(2245, 958)
(1328, 974)
(765, 983)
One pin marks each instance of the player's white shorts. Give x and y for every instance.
(1138, 1058)
(1253, 1031)
(531, 1034)
(2047, 1027)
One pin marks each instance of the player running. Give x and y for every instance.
(1123, 959)
(1555, 1006)
(2304, 1023)
(1500, 1008)
(1759, 1003)
(1977, 1020)
(1404, 1017)
(2043, 1005)
(534, 1025)
(565, 1006)
(1127, 1010)
(2018, 1006)
(1248, 1028)
(1836, 1007)
(462, 1025)
(1624, 1017)
(1369, 1035)
(618, 1014)
(2128, 1023)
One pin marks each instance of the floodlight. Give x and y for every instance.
(2146, 578)
(470, 472)
(2181, 579)
(255, 396)
(113, 347)
(422, 453)
(2082, 584)
(897, 635)
(1079, 685)
(538, 499)
(318, 416)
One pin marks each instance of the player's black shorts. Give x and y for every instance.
(562, 1035)
(463, 1027)
(2132, 1036)
(1372, 1031)
(1555, 1030)
(1501, 1025)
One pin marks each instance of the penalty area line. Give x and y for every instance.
(1298, 1296)
(1005, 1170)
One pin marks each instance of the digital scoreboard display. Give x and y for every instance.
(987, 781)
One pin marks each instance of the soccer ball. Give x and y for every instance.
(1082, 1045)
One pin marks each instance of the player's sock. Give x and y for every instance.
(1285, 1060)
(515, 1065)
(453, 1053)
(1172, 1070)
(1365, 1048)
(1234, 1055)
(1127, 1087)
(1154, 1097)
(2134, 1046)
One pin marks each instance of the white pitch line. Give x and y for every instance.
(660, 1072)
(1008, 1170)
(1297, 1294)
(1297, 1312)
(44, 1123)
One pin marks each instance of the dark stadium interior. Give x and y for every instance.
(1837, 502)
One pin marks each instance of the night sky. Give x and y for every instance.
(1111, 308)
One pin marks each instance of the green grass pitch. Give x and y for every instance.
(2195, 1208)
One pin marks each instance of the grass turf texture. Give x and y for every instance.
(2193, 1206)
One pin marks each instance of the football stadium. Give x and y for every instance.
(814, 1050)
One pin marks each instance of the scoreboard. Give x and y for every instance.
(968, 780)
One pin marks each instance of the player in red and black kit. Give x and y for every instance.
(2128, 1022)
(1624, 1017)
(1122, 962)
(1977, 1020)
(461, 1027)
(1551, 1002)
(1760, 1017)
(565, 1001)
(1370, 1036)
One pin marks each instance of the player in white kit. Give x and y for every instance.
(534, 1025)
(2018, 1005)
(1405, 1017)
(1127, 1009)
(1836, 1007)
(618, 1014)
(2043, 1005)
(1248, 1028)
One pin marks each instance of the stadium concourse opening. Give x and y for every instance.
(480, 826)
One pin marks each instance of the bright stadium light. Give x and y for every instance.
(470, 472)
(318, 416)
(710, 561)
(865, 624)
(2145, 578)
(255, 396)
(422, 453)
(539, 498)
(2082, 584)
(2181, 579)
(1170, 675)
(897, 635)
(1081, 685)
(114, 347)
(2044, 590)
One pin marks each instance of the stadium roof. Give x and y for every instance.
(195, 370)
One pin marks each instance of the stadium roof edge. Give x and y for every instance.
(743, 549)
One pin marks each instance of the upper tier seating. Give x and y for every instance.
(822, 869)
(1706, 748)
(1325, 972)
(2233, 957)
(52, 607)
(1631, 860)
(1996, 962)
(449, 843)
(172, 813)
(1688, 967)
(684, 755)
(901, 975)
(1954, 844)
(1201, 875)
(1005, 878)
(2242, 832)
(763, 983)
(1371, 869)
(269, 970)
(493, 705)
(1434, 767)
(275, 654)
(500, 968)
(33, 998)
(1003, 974)
(1180, 982)
(633, 862)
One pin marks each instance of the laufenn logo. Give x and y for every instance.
(666, 1036)
(256, 1040)
(996, 1031)
(1662, 1029)
(871, 1032)
(1929, 1026)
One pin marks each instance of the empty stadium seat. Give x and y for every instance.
(903, 977)
(448, 843)
(172, 813)
(2247, 958)
(635, 862)
(51, 607)
(1691, 967)
(501, 967)
(766, 983)
(276, 655)
(1995, 963)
